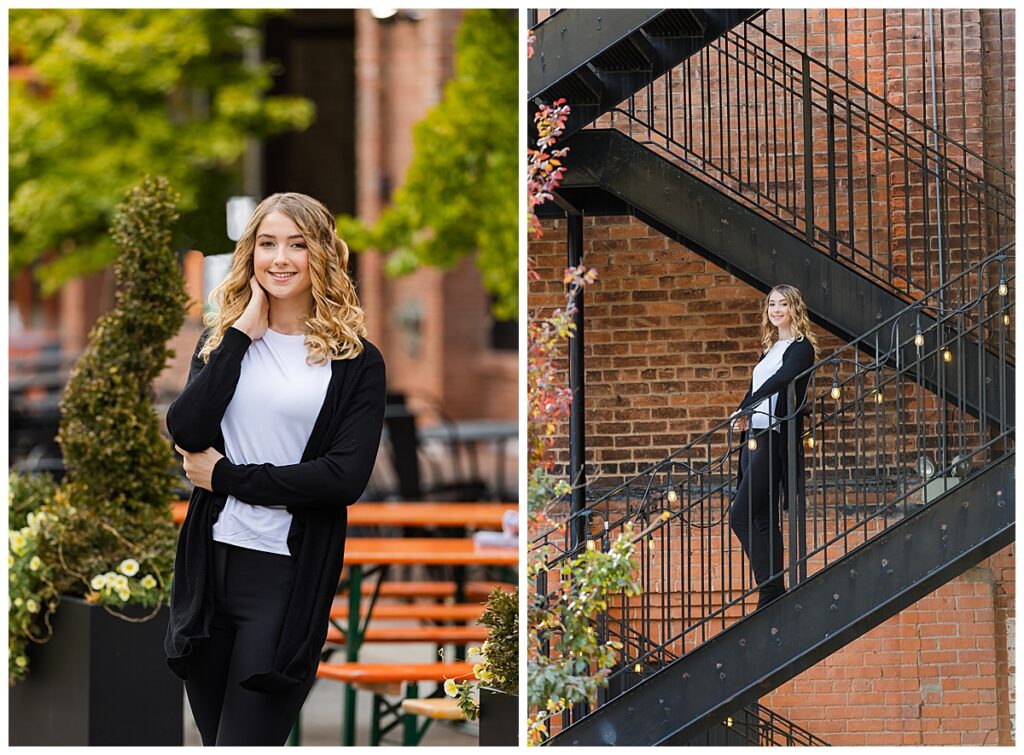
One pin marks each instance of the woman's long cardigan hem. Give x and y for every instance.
(334, 470)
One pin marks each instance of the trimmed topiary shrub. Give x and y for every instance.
(115, 538)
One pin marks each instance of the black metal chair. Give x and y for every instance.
(407, 459)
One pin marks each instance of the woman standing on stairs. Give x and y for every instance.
(279, 425)
(790, 348)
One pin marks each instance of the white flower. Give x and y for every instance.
(120, 582)
(129, 567)
(149, 582)
(18, 602)
(25, 531)
(35, 563)
(98, 582)
(10, 560)
(109, 579)
(32, 524)
(31, 605)
(18, 542)
(21, 661)
(451, 688)
(124, 594)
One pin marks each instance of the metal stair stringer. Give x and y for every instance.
(610, 173)
(598, 58)
(814, 619)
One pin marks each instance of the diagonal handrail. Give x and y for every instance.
(823, 166)
(870, 422)
(821, 69)
(865, 342)
(774, 729)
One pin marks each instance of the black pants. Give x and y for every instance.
(754, 514)
(252, 589)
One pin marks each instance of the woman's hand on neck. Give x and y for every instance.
(253, 321)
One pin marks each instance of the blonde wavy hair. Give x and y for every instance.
(336, 321)
(801, 323)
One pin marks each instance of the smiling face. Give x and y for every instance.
(280, 259)
(778, 311)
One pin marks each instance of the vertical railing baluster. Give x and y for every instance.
(793, 493)
(830, 115)
(808, 150)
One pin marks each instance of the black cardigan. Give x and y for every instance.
(799, 357)
(335, 468)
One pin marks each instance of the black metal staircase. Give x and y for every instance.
(781, 195)
(870, 537)
(778, 168)
(612, 174)
(596, 59)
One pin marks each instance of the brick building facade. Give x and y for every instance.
(371, 80)
(670, 340)
(435, 328)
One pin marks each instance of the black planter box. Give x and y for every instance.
(499, 718)
(99, 680)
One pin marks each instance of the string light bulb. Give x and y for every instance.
(836, 392)
(1006, 319)
(752, 444)
(947, 356)
(671, 495)
(638, 668)
(810, 441)
(879, 398)
(918, 339)
(1003, 288)
(590, 545)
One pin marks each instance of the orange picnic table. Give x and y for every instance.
(380, 552)
(443, 551)
(481, 516)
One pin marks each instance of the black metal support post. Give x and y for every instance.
(792, 493)
(577, 431)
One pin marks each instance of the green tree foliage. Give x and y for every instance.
(124, 92)
(567, 661)
(460, 195)
(114, 502)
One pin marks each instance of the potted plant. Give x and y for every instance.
(96, 555)
(496, 685)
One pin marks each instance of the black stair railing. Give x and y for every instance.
(879, 445)
(855, 176)
(766, 728)
(755, 726)
(927, 54)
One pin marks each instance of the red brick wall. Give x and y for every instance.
(936, 673)
(448, 367)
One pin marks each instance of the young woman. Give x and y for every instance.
(279, 425)
(789, 349)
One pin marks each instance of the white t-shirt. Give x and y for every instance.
(269, 420)
(764, 369)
